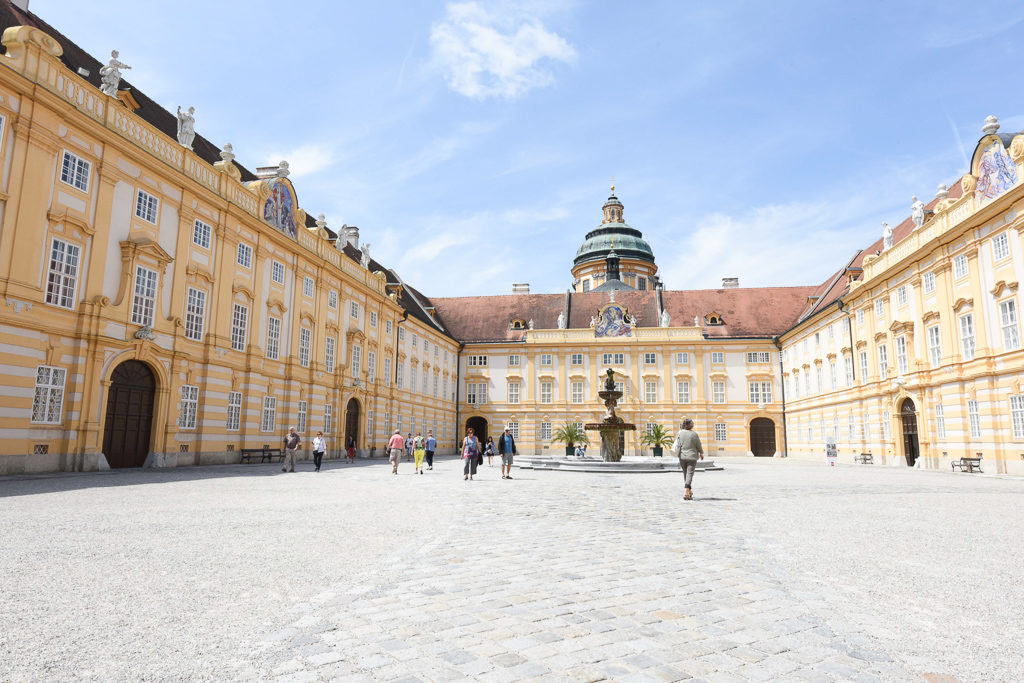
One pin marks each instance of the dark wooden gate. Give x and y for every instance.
(908, 418)
(762, 437)
(479, 426)
(352, 423)
(127, 431)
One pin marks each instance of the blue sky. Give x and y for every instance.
(473, 142)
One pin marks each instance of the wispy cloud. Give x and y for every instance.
(306, 160)
(495, 51)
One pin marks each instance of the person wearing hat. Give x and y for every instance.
(506, 449)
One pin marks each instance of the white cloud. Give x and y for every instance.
(495, 51)
(305, 160)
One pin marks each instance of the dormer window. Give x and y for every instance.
(517, 324)
(713, 319)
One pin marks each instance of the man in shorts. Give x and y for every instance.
(291, 447)
(395, 449)
(506, 449)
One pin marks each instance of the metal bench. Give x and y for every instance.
(265, 454)
(967, 465)
(864, 459)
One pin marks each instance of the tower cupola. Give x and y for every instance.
(612, 209)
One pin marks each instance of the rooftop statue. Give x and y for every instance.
(364, 260)
(561, 320)
(110, 75)
(886, 236)
(917, 212)
(665, 319)
(186, 127)
(530, 324)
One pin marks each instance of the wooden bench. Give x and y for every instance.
(864, 459)
(265, 454)
(967, 465)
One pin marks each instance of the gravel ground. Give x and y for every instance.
(234, 573)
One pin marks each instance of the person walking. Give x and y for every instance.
(430, 446)
(688, 449)
(350, 450)
(408, 446)
(291, 446)
(319, 446)
(470, 452)
(396, 446)
(506, 449)
(489, 451)
(418, 451)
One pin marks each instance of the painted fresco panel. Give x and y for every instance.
(279, 210)
(996, 173)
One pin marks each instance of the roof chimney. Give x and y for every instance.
(730, 282)
(521, 288)
(351, 235)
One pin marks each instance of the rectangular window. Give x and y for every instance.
(239, 326)
(928, 282)
(413, 377)
(880, 309)
(332, 301)
(63, 274)
(760, 392)
(1017, 416)
(807, 383)
(329, 354)
(613, 359)
(718, 392)
(620, 386)
(852, 429)
(513, 361)
(305, 342)
(864, 366)
(934, 346)
(273, 338)
(682, 391)
(401, 334)
(48, 399)
(387, 372)
(1008, 321)
(832, 374)
(586, 285)
(901, 296)
(682, 358)
(476, 393)
(883, 361)
(513, 392)
(576, 359)
(959, 266)
(762, 356)
(234, 422)
(901, 355)
(371, 366)
(354, 310)
(545, 360)
(477, 361)
(268, 423)
(277, 272)
(328, 418)
(513, 429)
(867, 426)
(1000, 246)
(357, 362)
(369, 425)
(973, 419)
(831, 332)
(545, 392)
(308, 286)
(146, 206)
(860, 317)
(577, 392)
(940, 421)
(720, 431)
(415, 340)
(885, 425)
(74, 171)
(373, 319)
(545, 431)
(189, 406)
(244, 256)
(817, 338)
(650, 359)
(437, 379)
(849, 370)
(817, 377)
(195, 314)
(967, 335)
(717, 357)
(400, 375)
(201, 234)
(144, 300)
(650, 391)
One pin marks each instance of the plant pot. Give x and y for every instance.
(658, 450)
(570, 450)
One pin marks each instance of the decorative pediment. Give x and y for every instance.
(306, 317)
(66, 218)
(930, 316)
(512, 376)
(846, 351)
(197, 272)
(861, 343)
(140, 244)
(830, 356)
(759, 373)
(1002, 285)
(880, 337)
(682, 373)
(718, 374)
(577, 375)
(650, 374)
(332, 326)
(963, 303)
(900, 327)
(414, 361)
(273, 303)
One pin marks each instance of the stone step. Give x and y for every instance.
(635, 466)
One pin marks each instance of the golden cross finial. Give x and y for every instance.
(613, 184)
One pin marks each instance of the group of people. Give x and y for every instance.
(420, 448)
(292, 441)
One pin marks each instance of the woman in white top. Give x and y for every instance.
(319, 446)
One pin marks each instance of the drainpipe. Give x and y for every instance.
(782, 388)
(458, 390)
(849, 328)
(394, 370)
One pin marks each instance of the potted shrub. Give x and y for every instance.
(657, 437)
(570, 434)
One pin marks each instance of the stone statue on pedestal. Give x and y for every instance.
(665, 319)
(186, 127)
(364, 260)
(917, 212)
(530, 324)
(561, 321)
(110, 75)
(886, 236)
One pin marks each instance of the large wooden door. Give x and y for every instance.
(479, 426)
(908, 419)
(127, 431)
(352, 423)
(762, 437)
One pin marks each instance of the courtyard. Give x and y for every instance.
(778, 570)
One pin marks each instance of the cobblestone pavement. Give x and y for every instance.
(777, 571)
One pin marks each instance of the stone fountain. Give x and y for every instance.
(611, 426)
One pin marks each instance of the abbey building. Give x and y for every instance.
(164, 305)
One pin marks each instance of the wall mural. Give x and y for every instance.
(279, 210)
(613, 320)
(996, 173)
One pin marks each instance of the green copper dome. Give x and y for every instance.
(629, 242)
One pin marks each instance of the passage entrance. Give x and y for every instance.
(908, 418)
(129, 420)
(762, 437)
(352, 423)
(479, 426)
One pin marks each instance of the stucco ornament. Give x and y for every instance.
(696, 321)
(886, 236)
(917, 211)
(593, 321)
(665, 320)
(186, 127)
(991, 125)
(145, 333)
(364, 260)
(942, 193)
(530, 324)
(227, 153)
(561, 321)
(110, 75)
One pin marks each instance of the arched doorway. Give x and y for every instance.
(762, 437)
(908, 418)
(352, 423)
(127, 430)
(479, 426)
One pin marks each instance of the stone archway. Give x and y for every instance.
(128, 423)
(479, 425)
(762, 437)
(352, 423)
(908, 423)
